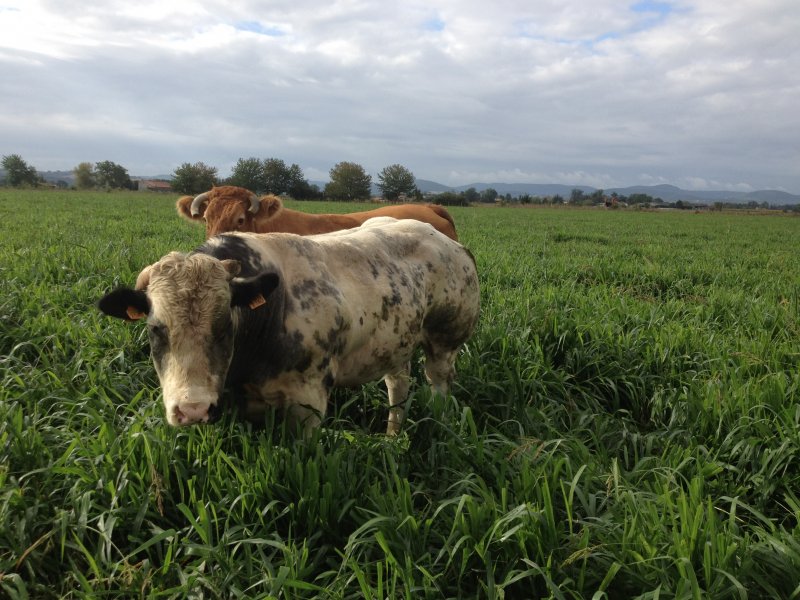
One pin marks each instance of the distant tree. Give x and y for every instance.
(18, 172)
(84, 176)
(395, 180)
(348, 181)
(525, 199)
(557, 199)
(248, 173)
(471, 195)
(275, 176)
(489, 195)
(110, 175)
(306, 191)
(640, 199)
(577, 196)
(194, 178)
(299, 188)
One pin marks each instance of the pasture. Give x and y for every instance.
(625, 423)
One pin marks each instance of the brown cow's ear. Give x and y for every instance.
(270, 206)
(125, 303)
(183, 206)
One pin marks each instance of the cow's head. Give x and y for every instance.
(189, 302)
(228, 208)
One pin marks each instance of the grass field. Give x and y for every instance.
(625, 424)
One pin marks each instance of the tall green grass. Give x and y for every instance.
(624, 424)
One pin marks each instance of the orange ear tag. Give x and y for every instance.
(257, 301)
(134, 314)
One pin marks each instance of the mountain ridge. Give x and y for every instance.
(668, 193)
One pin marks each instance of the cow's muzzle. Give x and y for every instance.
(189, 413)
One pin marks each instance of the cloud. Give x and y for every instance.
(685, 91)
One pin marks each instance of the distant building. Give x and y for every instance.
(153, 185)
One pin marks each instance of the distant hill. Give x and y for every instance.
(668, 193)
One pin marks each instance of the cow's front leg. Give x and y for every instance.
(305, 409)
(303, 400)
(397, 385)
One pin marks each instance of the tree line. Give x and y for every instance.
(348, 180)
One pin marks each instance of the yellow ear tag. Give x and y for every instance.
(257, 301)
(134, 314)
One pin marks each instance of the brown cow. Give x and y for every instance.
(230, 208)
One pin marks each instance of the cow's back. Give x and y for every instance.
(370, 295)
(427, 213)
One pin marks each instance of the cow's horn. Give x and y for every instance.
(197, 203)
(255, 203)
(143, 280)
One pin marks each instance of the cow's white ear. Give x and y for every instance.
(233, 267)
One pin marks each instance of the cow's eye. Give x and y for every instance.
(157, 331)
(240, 221)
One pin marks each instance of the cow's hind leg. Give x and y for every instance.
(397, 385)
(440, 368)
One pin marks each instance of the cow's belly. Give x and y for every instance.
(370, 364)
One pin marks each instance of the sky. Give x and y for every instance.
(701, 94)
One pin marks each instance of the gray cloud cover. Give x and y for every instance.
(703, 94)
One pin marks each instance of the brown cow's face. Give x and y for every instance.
(228, 213)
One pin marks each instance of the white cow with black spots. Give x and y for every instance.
(286, 318)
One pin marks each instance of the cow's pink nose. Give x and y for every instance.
(191, 412)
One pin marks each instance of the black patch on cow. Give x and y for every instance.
(220, 343)
(159, 338)
(389, 302)
(446, 326)
(328, 381)
(373, 268)
(159, 343)
(305, 293)
(308, 291)
(262, 347)
(334, 341)
(234, 247)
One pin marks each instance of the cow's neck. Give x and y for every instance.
(257, 334)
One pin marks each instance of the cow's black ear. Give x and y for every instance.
(125, 303)
(254, 291)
